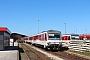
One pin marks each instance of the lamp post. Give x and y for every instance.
(76, 31)
(38, 26)
(65, 28)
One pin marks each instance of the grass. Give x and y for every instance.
(21, 52)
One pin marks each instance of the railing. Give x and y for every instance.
(79, 45)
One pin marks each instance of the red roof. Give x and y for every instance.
(4, 29)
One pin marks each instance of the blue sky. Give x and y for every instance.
(22, 15)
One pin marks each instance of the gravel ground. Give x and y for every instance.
(35, 57)
(84, 56)
(45, 53)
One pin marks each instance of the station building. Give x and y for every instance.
(4, 38)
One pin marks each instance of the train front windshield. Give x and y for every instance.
(75, 37)
(54, 36)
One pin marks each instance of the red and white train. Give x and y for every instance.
(70, 37)
(84, 36)
(66, 38)
(51, 39)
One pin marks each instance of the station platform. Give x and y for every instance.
(10, 53)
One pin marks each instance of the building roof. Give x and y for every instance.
(5, 29)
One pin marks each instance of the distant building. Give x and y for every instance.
(17, 36)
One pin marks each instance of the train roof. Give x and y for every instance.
(51, 31)
(48, 31)
(70, 34)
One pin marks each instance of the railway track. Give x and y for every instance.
(36, 55)
(68, 56)
(32, 54)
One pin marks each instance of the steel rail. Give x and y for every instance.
(25, 53)
(68, 56)
(37, 54)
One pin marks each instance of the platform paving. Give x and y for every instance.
(10, 53)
